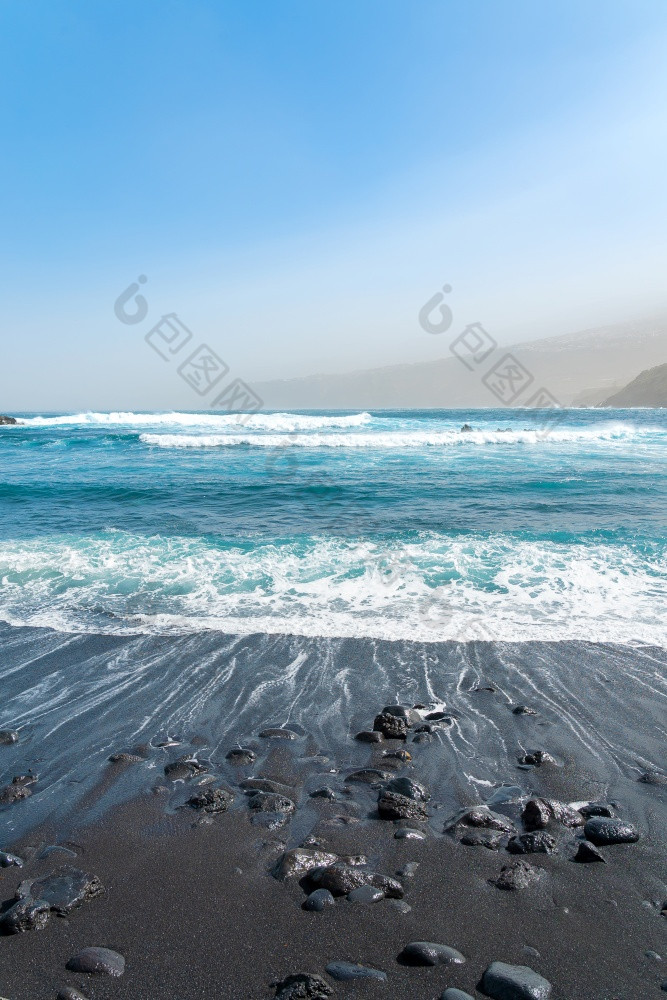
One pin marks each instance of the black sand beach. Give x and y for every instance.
(191, 899)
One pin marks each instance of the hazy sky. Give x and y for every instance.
(296, 179)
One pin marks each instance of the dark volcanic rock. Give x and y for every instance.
(483, 817)
(392, 727)
(347, 971)
(126, 757)
(393, 806)
(596, 809)
(538, 842)
(266, 785)
(536, 758)
(10, 860)
(538, 813)
(402, 755)
(437, 717)
(325, 792)
(271, 802)
(491, 839)
(368, 776)
(319, 900)
(514, 982)
(64, 890)
(303, 986)
(69, 993)
(8, 736)
(365, 894)
(453, 994)
(300, 860)
(27, 914)
(517, 875)
(278, 734)
(368, 736)
(7, 421)
(97, 961)
(653, 778)
(13, 793)
(340, 878)
(241, 756)
(409, 833)
(185, 767)
(411, 716)
(600, 831)
(429, 953)
(587, 852)
(211, 800)
(409, 788)
(523, 710)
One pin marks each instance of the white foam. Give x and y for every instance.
(285, 422)
(432, 588)
(605, 433)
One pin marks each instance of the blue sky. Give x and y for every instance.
(297, 178)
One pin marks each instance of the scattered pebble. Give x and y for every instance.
(300, 860)
(368, 776)
(538, 842)
(409, 833)
(536, 758)
(601, 830)
(69, 993)
(392, 727)
(27, 914)
(241, 756)
(319, 900)
(515, 876)
(10, 860)
(409, 788)
(523, 710)
(365, 894)
(64, 889)
(278, 734)
(325, 792)
(391, 806)
(429, 953)
(97, 961)
(453, 994)
(514, 982)
(303, 986)
(347, 971)
(368, 736)
(13, 793)
(212, 800)
(8, 736)
(587, 852)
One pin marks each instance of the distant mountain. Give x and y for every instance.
(648, 389)
(581, 368)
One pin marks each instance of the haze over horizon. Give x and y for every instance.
(520, 159)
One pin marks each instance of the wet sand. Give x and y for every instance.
(190, 900)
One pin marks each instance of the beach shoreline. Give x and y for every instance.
(190, 900)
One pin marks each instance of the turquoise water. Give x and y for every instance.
(388, 525)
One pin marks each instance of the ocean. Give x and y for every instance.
(181, 573)
(385, 525)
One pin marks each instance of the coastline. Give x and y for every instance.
(190, 924)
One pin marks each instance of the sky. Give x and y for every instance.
(295, 179)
